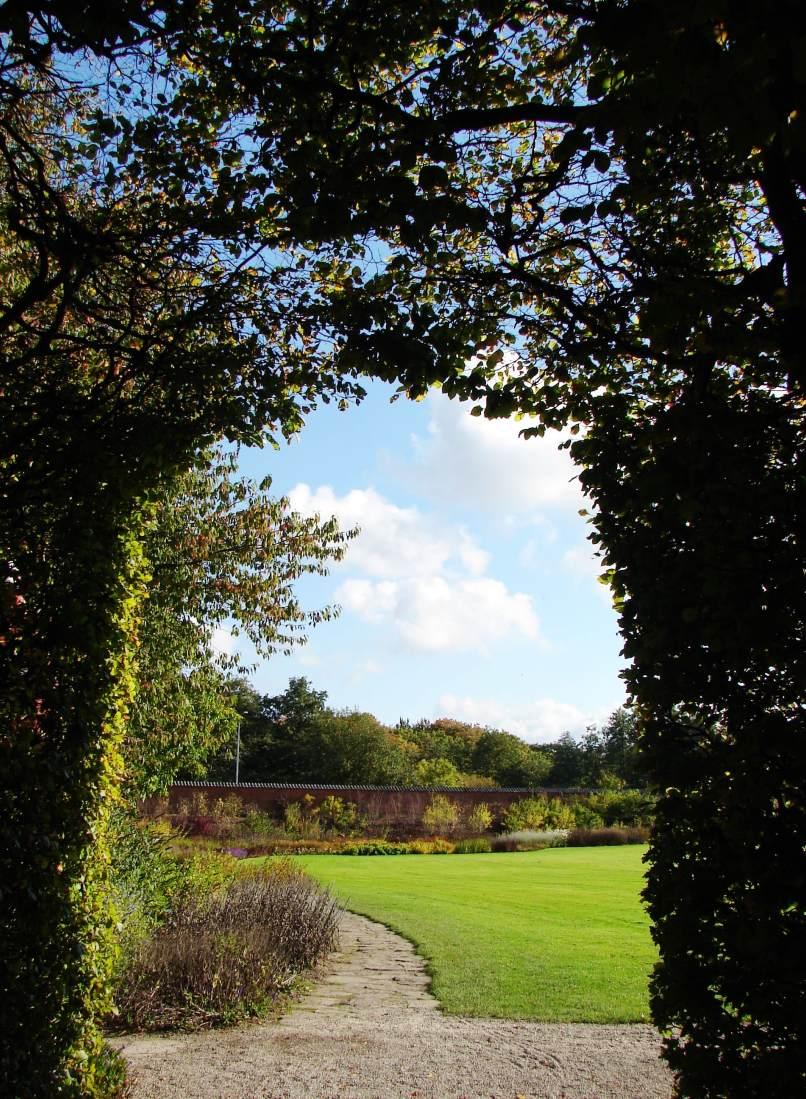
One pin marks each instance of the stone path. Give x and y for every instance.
(371, 1030)
(375, 975)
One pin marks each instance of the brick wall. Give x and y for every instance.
(388, 805)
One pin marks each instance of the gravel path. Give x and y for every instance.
(371, 1030)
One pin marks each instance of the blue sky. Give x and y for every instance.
(471, 591)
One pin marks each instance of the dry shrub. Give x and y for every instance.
(230, 954)
(530, 840)
(503, 843)
(606, 837)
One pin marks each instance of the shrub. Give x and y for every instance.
(529, 840)
(302, 818)
(441, 814)
(193, 815)
(480, 818)
(535, 814)
(288, 846)
(336, 815)
(207, 871)
(185, 847)
(562, 816)
(231, 953)
(585, 817)
(606, 837)
(375, 847)
(477, 845)
(197, 815)
(260, 824)
(387, 847)
(292, 817)
(227, 816)
(430, 847)
(440, 847)
(627, 807)
(195, 805)
(144, 878)
(144, 874)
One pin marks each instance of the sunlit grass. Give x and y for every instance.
(554, 935)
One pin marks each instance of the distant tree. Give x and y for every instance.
(593, 754)
(603, 753)
(445, 738)
(437, 772)
(296, 707)
(279, 743)
(248, 725)
(354, 747)
(296, 737)
(473, 780)
(510, 760)
(621, 752)
(569, 765)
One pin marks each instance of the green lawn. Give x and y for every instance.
(555, 935)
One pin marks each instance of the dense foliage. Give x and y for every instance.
(296, 737)
(593, 212)
(222, 554)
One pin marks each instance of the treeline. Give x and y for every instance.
(296, 737)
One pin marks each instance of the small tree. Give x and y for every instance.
(480, 818)
(535, 814)
(441, 815)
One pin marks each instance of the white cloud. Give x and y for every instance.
(435, 613)
(528, 555)
(472, 556)
(421, 577)
(486, 464)
(538, 722)
(222, 642)
(394, 541)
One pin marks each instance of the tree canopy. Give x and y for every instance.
(296, 737)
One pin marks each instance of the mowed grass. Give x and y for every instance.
(558, 935)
